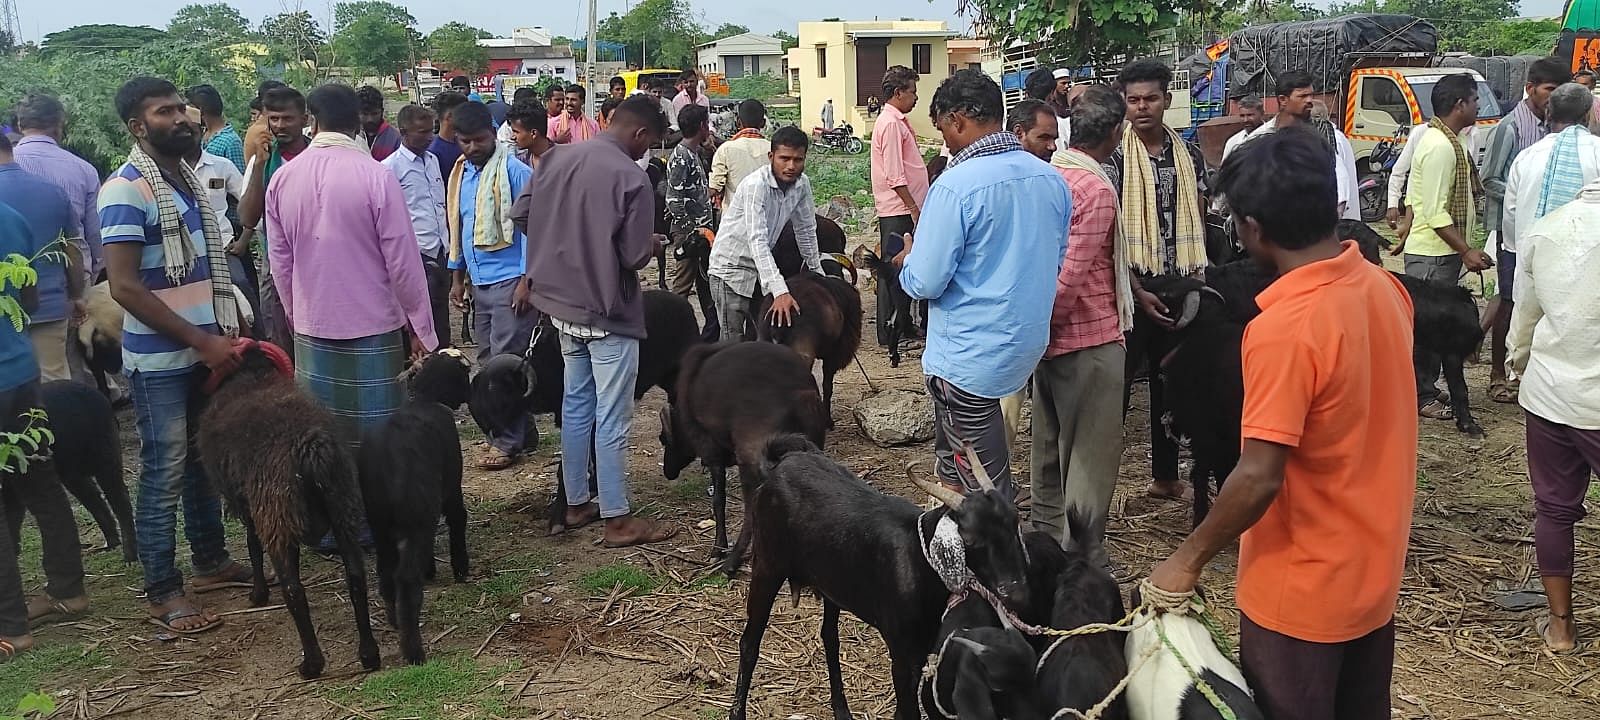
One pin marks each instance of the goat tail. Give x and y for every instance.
(326, 470)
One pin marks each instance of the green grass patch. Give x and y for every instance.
(453, 686)
(714, 580)
(1423, 481)
(478, 604)
(600, 581)
(34, 670)
(691, 486)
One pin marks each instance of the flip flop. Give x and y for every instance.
(236, 576)
(57, 611)
(585, 520)
(1501, 392)
(496, 460)
(1436, 410)
(1542, 625)
(661, 533)
(8, 651)
(165, 621)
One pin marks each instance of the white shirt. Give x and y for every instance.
(503, 135)
(1344, 165)
(1063, 133)
(750, 230)
(1555, 327)
(423, 186)
(734, 161)
(1402, 164)
(221, 180)
(1525, 183)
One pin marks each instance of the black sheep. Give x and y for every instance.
(732, 399)
(410, 467)
(88, 458)
(273, 455)
(828, 327)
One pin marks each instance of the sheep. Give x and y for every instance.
(1079, 672)
(827, 328)
(272, 454)
(1161, 689)
(731, 399)
(88, 458)
(816, 525)
(410, 469)
(886, 272)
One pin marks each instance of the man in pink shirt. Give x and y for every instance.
(573, 126)
(1077, 388)
(688, 94)
(344, 258)
(899, 187)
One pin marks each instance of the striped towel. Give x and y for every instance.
(1563, 177)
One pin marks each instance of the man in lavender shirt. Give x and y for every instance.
(345, 261)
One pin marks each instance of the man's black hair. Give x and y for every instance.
(691, 119)
(615, 81)
(471, 117)
(1096, 115)
(1548, 71)
(555, 89)
(1586, 72)
(282, 98)
(752, 114)
(447, 101)
(133, 93)
(371, 98)
(1040, 83)
(530, 114)
(970, 93)
(1025, 114)
(460, 81)
(608, 106)
(1252, 101)
(1146, 70)
(790, 136)
(206, 99)
(641, 111)
(1282, 181)
(526, 92)
(899, 77)
(1293, 80)
(267, 86)
(38, 111)
(688, 75)
(575, 88)
(1450, 90)
(413, 113)
(336, 108)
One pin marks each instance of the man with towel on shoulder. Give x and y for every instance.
(486, 251)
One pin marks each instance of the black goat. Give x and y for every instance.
(1079, 672)
(99, 338)
(827, 328)
(815, 525)
(981, 669)
(272, 454)
(88, 458)
(732, 399)
(657, 170)
(410, 467)
(830, 243)
(886, 272)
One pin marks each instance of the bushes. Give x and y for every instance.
(759, 87)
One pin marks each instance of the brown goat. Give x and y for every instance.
(272, 454)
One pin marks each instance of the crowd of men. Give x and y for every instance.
(1031, 251)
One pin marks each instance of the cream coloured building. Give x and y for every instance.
(845, 62)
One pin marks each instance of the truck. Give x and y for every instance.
(1375, 73)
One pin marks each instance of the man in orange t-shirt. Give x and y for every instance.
(1321, 498)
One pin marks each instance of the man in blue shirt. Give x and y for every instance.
(990, 241)
(50, 218)
(487, 250)
(37, 490)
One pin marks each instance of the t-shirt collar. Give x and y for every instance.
(1314, 275)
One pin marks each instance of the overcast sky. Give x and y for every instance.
(498, 16)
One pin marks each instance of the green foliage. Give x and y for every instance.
(455, 45)
(1512, 37)
(101, 38)
(24, 675)
(453, 686)
(1463, 24)
(727, 30)
(761, 86)
(34, 704)
(788, 39)
(376, 38)
(1077, 31)
(1212, 22)
(602, 580)
(664, 29)
(209, 24)
(293, 36)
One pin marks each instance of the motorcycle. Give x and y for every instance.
(1373, 189)
(841, 138)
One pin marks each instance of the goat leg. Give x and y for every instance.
(719, 508)
(355, 577)
(906, 669)
(258, 576)
(116, 494)
(387, 567)
(1200, 480)
(1455, 379)
(830, 648)
(827, 392)
(758, 610)
(749, 482)
(89, 495)
(455, 515)
(408, 599)
(286, 561)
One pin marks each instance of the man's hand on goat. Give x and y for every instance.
(218, 353)
(1153, 307)
(417, 349)
(1174, 577)
(783, 310)
(519, 298)
(1476, 260)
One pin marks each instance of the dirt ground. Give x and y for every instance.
(562, 628)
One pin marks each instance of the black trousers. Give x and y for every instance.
(38, 492)
(439, 279)
(889, 288)
(1143, 349)
(1299, 680)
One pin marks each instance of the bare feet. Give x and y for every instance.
(627, 530)
(44, 607)
(1169, 490)
(180, 615)
(1559, 632)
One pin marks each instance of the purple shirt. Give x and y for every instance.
(343, 254)
(40, 155)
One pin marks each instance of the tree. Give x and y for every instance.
(209, 24)
(727, 30)
(1076, 32)
(789, 41)
(101, 38)
(1513, 37)
(455, 45)
(663, 31)
(293, 36)
(1212, 22)
(1462, 24)
(374, 37)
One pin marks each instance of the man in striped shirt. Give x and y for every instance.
(171, 341)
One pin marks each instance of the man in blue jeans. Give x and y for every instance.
(36, 490)
(168, 268)
(592, 211)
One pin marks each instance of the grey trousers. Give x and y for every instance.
(732, 309)
(961, 418)
(1077, 442)
(499, 330)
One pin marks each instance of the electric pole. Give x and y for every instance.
(9, 23)
(589, 51)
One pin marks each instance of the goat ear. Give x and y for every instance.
(666, 423)
(1191, 308)
(976, 647)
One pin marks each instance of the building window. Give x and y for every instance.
(922, 58)
(822, 62)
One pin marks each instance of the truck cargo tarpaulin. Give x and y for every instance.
(1323, 48)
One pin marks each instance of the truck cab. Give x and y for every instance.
(1385, 102)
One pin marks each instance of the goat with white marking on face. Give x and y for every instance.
(1163, 689)
(410, 466)
(815, 525)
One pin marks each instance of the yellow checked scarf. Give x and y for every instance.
(1465, 188)
(491, 225)
(1141, 221)
(1071, 159)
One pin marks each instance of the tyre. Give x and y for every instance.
(1374, 200)
(854, 146)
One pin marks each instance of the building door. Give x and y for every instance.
(872, 61)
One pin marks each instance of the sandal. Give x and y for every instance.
(655, 532)
(496, 460)
(1501, 392)
(55, 610)
(1436, 410)
(1542, 625)
(233, 576)
(9, 650)
(166, 621)
(590, 513)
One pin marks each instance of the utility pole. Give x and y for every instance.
(590, 49)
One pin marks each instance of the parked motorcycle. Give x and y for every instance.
(1374, 184)
(841, 138)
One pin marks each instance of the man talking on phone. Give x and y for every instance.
(766, 200)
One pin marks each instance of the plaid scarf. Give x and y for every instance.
(1141, 221)
(1563, 177)
(1465, 188)
(994, 143)
(746, 133)
(176, 245)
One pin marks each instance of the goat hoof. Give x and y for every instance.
(258, 599)
(417, 658)
(311, 668)
(1471, 429)
(461, 578)
(370, 659)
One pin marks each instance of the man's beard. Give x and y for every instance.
(173, 143)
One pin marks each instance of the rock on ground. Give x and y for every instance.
(896, 417)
